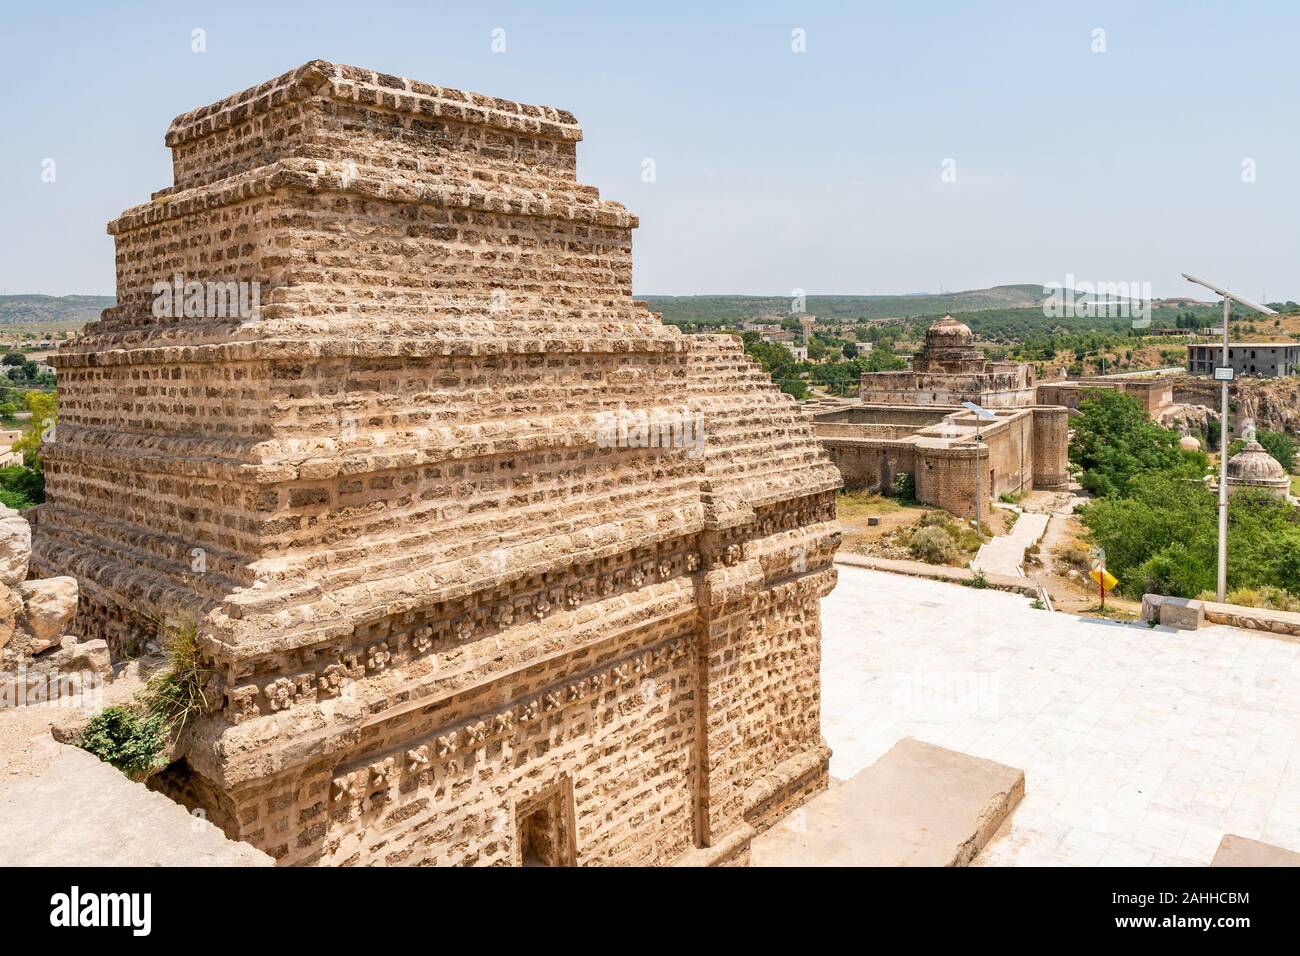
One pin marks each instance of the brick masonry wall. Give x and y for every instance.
(434, 596)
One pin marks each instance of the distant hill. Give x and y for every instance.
(712, 308)
(56, 311)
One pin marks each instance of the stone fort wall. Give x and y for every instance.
(1023, 450)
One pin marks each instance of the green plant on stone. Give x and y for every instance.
(177, 691)
(134, 737)
(131, 741)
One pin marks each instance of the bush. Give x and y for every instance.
(1268, 597)
(1163, 538)
(13, 499)
(905, 488)
(130, 741)
(932, 545)
(1172, 571)
(21, 487)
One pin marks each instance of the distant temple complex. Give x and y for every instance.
(951, 455)
(950, 370)
(912, 423)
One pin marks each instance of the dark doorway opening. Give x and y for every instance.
(546, 828)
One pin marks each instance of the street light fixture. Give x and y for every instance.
(982, 414)
(1225, 375)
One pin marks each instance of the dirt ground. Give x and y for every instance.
(1067, 583)
(27, 743)
(854, 508)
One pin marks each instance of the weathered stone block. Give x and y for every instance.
(1182, 613)
(1151, 606)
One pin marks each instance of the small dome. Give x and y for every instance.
(1189, 443)
(947, 333)
(1253, 466)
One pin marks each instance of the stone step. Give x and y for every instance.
(1239, 851)
(918, 805)
(82, 812)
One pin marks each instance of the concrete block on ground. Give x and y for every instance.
(1239, 851)
(918, 805)
(1151, 606)
(1182, 613)
(82, 812)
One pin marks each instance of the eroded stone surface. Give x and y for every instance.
(464, 608)
(48, 605)
(15, 546)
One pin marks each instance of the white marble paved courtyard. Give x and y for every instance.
(1139, 745)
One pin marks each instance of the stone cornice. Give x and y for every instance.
(382, 90)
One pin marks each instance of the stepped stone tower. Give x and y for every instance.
(474, 585)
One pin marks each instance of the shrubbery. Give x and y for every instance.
(1115, 443)
(1163, 538)
(905, 488)
(128, 739)
(932, 545)
(1158, 520)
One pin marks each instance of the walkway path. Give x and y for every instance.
(1006, 553)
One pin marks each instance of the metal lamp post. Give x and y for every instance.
(981, 415)
(1225, 374)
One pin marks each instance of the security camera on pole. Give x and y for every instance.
(1225, 374)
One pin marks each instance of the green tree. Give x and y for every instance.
(45, 413)
(1115, 442)
(1163, 538)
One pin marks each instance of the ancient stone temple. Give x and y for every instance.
(950, 370)
(491, 566)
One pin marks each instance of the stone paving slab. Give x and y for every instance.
(1238, 851)
(918, 805)
(82, 812)
(1140, 745)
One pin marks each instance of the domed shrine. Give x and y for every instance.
(950, 370)
(1254, 467)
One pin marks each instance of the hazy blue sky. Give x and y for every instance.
(775, 169)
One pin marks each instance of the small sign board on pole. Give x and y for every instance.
(1104, 578)
(1224, 373)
